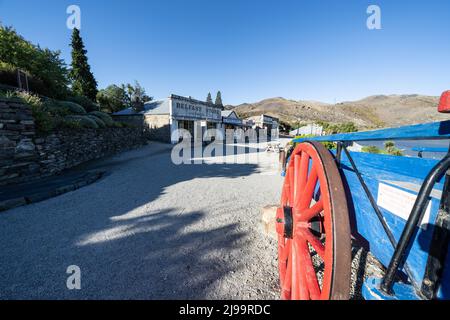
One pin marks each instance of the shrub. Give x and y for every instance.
(72, 107)
(106, 118)
(83, 121)
(97, 120)
(372, 149)
(71, 124)
(117, 124)
(55, 109)
(24, 97)
(86, 103)
(390, 149)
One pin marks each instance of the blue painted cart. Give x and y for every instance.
(397, 207)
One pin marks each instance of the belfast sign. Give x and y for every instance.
(190, 109)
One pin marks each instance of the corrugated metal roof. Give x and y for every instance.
(227, 113)
(153, 107)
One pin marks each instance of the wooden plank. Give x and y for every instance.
(427, 131)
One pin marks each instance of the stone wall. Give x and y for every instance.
(25, 156)
(158, 127)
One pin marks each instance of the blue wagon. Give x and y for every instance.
(398, 207)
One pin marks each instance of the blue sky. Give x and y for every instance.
(252, 49)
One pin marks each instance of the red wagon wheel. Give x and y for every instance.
(314, 250)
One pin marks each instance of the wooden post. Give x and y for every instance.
(269, 214)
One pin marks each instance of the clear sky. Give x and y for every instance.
(252, 49)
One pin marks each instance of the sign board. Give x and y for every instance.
(232, 119)
(194, 110)
(399, 202)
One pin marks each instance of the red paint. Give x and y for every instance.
(444, 104)
(298, 278)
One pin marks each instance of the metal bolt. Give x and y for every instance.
(427, 282)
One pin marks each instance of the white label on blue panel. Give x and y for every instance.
(399, 202)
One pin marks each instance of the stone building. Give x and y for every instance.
(162, 118)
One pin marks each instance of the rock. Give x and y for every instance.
(5, 142)
(25, 145)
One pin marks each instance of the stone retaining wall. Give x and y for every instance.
(26, 156)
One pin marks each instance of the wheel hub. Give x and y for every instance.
(285, 222)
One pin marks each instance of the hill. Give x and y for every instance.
(372, 112)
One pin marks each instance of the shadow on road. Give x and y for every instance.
(152, 254)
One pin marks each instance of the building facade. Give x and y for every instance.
(162, 118)
(270, 125)
(310, 129)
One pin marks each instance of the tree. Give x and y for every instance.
(112, 99)
(83, 81)
(209, 98)
(136, 96)
(219, 102)
(47, 72)
(115, 98)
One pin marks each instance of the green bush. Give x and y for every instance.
(390, 149)
(117, 124)
(328, 145)
(338, 128)
(55, 109)
(86, 103)
(83, 121)
(71, 124)
(372, 149)
(106, 118)
(97, 120)
(72, 107)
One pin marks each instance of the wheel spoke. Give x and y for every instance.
(307, 195)
(301, 175)
(297, 179)
(290, 185)
(296, 272)
(310, 213)
(287, 283)
(302, 282)
(316, 244)
(310, 274)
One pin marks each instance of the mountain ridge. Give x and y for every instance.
(376, 111)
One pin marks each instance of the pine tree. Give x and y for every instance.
(219, 99)
(83, 81)
(209, 98)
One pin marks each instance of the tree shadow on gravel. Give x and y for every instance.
(152, 254)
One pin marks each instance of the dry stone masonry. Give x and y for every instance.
(25, 155)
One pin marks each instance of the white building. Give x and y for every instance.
(270, 124)
(164, 117)
(310, 129)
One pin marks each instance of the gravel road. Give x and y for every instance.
(148, 230)
(153, 230)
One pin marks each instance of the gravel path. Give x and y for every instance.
(147, 230)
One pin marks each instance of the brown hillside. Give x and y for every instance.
(371, 112)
